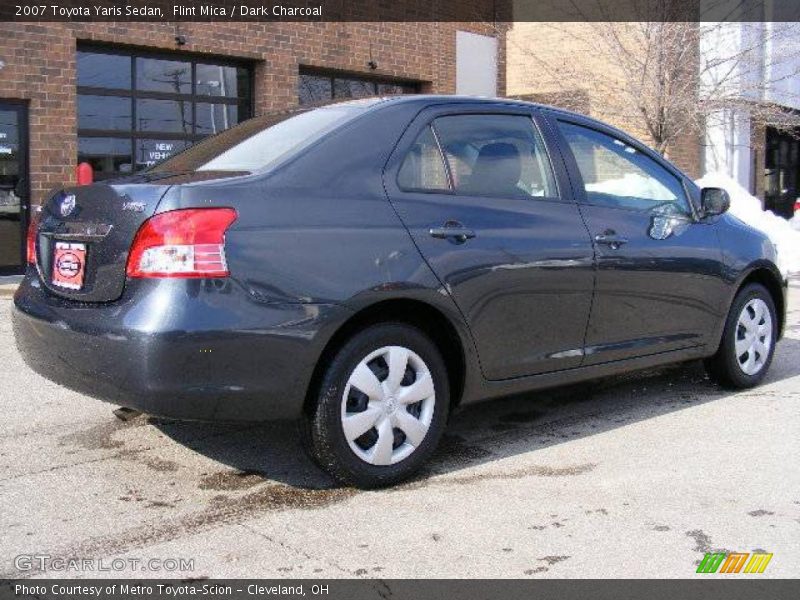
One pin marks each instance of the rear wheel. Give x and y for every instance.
(381, 407)
(748, 342)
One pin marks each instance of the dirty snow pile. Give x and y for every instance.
(784, 234)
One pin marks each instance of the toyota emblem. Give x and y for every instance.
(67, 205)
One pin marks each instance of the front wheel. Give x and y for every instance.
(381, 407)
(748, 342)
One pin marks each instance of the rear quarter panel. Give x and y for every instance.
(320, 230)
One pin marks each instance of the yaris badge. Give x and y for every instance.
(67, 205)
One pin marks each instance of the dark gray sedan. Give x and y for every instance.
(366, 267)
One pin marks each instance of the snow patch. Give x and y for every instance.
(633, 185)
(783, 233)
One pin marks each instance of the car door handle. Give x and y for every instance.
(456, 233)
(610, 239)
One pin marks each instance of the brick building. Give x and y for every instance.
(122, 95)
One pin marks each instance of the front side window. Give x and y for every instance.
(496, 155)
(618, 175)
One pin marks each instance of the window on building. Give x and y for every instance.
(618, 175)
(782, 171)
(315, 87)
(136, 109)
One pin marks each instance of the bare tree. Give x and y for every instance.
(664, 78)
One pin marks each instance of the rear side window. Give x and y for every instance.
(423, 167)
(496, 155)
(618, 175)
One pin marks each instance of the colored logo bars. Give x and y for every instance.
(734, 562)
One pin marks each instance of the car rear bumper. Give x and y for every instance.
(186, 349)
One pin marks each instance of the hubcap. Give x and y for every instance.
(387, 405)
(753, 336)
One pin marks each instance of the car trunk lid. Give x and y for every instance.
(84, 235)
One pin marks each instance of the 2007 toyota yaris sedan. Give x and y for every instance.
(367, 266)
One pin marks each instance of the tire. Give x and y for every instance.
(744, 364)
(403, 434)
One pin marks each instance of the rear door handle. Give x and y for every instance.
(455, 232)
(610, 239)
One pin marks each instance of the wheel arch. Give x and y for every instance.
(767, 275)
(431, 320)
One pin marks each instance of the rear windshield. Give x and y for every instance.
(257, 143)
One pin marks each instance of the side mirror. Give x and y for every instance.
(714, 201)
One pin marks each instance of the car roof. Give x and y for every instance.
(428, 100)
(373, 103)
(432, 99)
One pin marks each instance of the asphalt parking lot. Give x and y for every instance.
(635, 476)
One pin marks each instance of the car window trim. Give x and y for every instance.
(413, 190)
(451, 184)
(549, 152)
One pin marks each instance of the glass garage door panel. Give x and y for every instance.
(135, 110)
(12, 169)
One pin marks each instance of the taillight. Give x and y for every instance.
(182, 243)
(797, 205)
(30, 240)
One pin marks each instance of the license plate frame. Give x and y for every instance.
(69, 265)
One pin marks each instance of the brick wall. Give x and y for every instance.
(40, 66)
(687, 153)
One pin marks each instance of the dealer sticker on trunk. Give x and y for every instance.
(69, 264)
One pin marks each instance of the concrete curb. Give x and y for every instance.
(8, 285)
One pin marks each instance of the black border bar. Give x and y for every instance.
(487, 11)
(706, 588)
